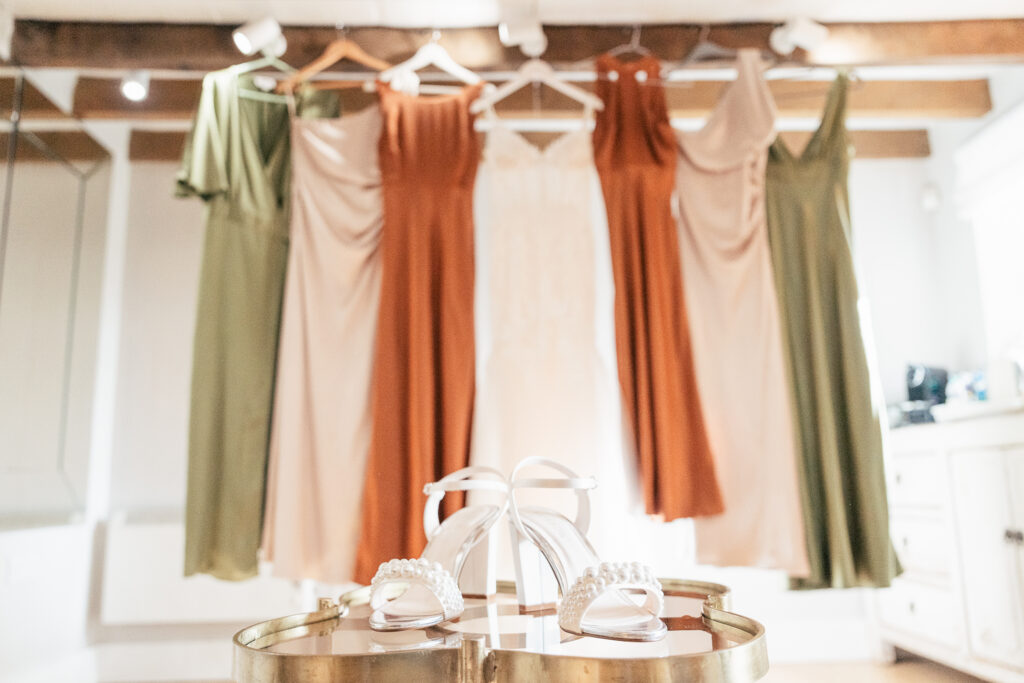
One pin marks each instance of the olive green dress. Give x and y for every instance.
(236, 159)
(839, 438)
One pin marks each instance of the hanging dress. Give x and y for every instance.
(735, 327)
(635, 154)
(423, 373)
(321, 427)
(236, 159)
(544, 387)
(841, 469)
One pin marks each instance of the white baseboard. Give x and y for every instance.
(143, 583)
(44, 595)
(180, 660)
(74, 667)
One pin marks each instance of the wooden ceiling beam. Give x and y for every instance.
(874, 144)
(68, 145)
(149, 145)
(203, 47)
(979, 41)
(34, 104)
(99, 98)
(868, 144)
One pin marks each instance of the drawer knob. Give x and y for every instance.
(906, 542)
(912, 607)
(899, 478)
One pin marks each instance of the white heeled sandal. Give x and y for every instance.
(596, 596)
(433, 594)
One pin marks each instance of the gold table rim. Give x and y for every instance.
(746, 661)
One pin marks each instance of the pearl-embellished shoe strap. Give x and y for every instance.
(595, 595)
(421, 572)
(598, 581)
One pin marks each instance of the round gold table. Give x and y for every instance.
(493, 641)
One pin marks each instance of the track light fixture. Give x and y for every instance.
(135, 85)
(263, 35)
(802, 33)
(520, 25)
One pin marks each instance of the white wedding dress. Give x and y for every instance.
(546, 382)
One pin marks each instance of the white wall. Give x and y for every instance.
(987, 157)
(43, 478)
(44, 571)
(145, 536)
(896, 255)
(919, 269)
(161, 282)
(44, 596)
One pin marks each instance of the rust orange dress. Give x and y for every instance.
(635, 153)
(423, 375)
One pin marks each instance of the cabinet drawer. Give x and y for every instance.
(923, 611)
(924, 546)
(918, 480)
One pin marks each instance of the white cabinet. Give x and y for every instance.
(956, 503)
(987, 489)
(924, 602)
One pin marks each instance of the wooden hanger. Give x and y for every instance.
(853, 78)
(340, 49)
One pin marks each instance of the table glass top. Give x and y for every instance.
(499, 623)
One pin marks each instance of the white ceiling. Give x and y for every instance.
(458, 13)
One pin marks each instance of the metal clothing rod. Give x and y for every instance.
(582, 74)
(12, 151)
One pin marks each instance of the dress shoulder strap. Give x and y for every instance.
(833, 120)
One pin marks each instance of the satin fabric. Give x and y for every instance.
(635, 155)
(843, 490)
(236, 160)
(735, 327)
(321, 428)
(423, 373)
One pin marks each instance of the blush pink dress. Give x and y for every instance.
(320, 437)
(734, 323)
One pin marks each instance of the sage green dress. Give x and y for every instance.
(842, 481)
(236, 160)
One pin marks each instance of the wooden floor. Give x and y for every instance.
(859, 672)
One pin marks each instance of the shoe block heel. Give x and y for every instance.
(536, 587)
(479, 573)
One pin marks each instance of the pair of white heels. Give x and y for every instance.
(597, 597)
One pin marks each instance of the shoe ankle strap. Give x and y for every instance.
(571, 480)
(459, 481)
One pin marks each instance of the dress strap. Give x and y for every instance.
(833, 120)
(289, 98)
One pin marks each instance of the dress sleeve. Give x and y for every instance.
(203, 170)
